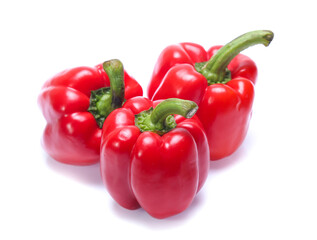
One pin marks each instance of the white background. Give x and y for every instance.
(266, 190)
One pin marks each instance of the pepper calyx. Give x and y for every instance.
(144, 123)
(100, 105)
(212, 79)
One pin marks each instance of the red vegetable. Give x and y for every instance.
(73, 131)
(154, 160)
(223, 86)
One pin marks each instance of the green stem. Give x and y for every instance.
(115, 72)
(104, 100)
(170, 106)
(160, 119)
(215, 69)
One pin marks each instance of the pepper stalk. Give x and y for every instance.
(215, 70)
(160, 119)
(104, 100)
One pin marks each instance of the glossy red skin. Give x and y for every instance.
(161, 174)
(224, 109)
(72, 135)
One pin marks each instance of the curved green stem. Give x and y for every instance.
(170, 106)
(215, 69)
(104, 100)
(160, 119)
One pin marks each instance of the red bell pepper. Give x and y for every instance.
(222, 86)
(152, 159)
(75, 103)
